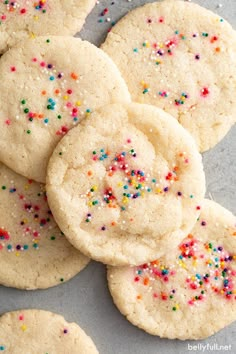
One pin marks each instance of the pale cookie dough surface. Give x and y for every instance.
(126, 184)
(189, 293)
(40, 332)
(180, 57)
(50, 84)
(23, 19)
(34, 253)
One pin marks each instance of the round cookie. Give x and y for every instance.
(49, 86)
(125, 185)
(23, 19)
(38, 331)
(34, 253)
(180, 57)
(189, 293)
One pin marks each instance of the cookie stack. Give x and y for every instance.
(100, 159)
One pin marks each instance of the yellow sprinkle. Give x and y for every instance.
(24, 327)
(32, 35)
(78, 103)
(95, 188)
(119, 184)
(36, 18)
(90, 203)
(125, 200)
(17, 254)
(65, 97)
(158, 190)
(26, 187)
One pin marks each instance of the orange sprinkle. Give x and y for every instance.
(113, 223)
(155, 262)
(139, 297)
(190, 235)
(146, 281)
(90, 173)
(57, 91)
(44, 92)
(217, 49)
(74, 76)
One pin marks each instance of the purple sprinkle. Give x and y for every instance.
(18, 247)
(166, 189)
(203, 223)
(179, 193)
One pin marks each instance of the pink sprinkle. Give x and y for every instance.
(155, 295)
(3, 17)
(128, 141)
(34, 59)
(13, 68)
(161, 19)
(23, 11)
(21, 317)
(42, 63)
(8, 122)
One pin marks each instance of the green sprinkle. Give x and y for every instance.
(23, 102)
(60, 153)
(48, 41)
(4, 187)
(62, 279)
(174, 308)
(25, 247)
(53, 238)
(28, 131)
(26, 110)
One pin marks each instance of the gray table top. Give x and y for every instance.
(85, 299)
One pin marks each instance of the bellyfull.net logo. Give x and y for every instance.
(209, 347)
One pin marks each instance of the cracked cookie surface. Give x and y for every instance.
(126, 184)
(190, 292)
(180, 57)
(34, 253)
